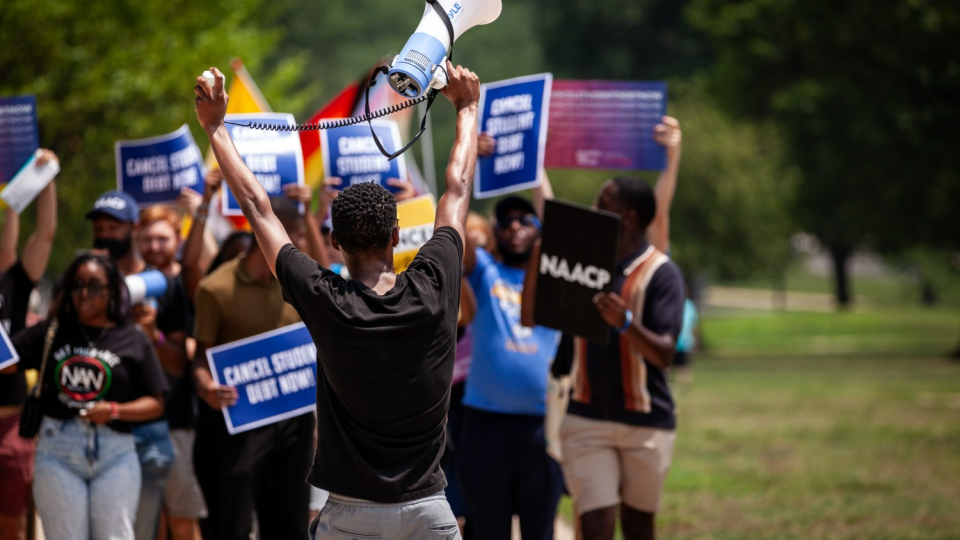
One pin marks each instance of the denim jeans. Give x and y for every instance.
(155, 451)
(86, 482)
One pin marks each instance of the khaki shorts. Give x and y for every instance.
(606, 463)
(182, 496)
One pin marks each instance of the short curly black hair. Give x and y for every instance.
(364, 216)
(637, 194)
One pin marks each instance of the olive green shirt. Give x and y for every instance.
(232, 304)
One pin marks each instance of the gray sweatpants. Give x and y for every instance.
(349, 518)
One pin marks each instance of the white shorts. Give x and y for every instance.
(606, 463)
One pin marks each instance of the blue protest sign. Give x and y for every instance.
(515, 113)
(8, 355)
(274, 157)
(154, 170)
(275, 374)
(19, 136)
(351, 154)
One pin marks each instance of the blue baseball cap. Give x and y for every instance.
(116, 204)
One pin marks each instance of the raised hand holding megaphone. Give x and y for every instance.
(419, 65)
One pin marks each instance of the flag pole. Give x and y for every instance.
(426, 152)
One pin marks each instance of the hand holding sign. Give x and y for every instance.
(45, 156)
(575, 268)
(298, 193)
(486, 145)
(271, 377)
(612, 308)
(668, 134)
(36, 176)
(217, 396)
(513, 120)
(405, 190)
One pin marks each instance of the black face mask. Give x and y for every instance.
(116, 248)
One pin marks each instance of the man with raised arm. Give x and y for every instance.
(385, 341)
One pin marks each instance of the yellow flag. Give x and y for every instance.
(245, 97)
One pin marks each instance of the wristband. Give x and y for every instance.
(114, 411)
(628, 319)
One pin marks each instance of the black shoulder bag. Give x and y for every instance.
(32, 413)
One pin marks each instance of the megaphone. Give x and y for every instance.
(149, 284)
(419, 65)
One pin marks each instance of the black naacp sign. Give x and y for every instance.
(578, 257)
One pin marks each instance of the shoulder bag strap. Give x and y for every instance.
(47, 345)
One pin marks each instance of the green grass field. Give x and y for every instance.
(819, 426)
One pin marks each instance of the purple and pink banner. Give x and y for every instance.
(605, 125)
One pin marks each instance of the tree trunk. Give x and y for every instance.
(928, 295)
(841, 256)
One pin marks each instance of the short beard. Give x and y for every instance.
(515, 259)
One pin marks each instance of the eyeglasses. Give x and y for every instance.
(94, 289)
(527, 220)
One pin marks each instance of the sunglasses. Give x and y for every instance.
(94, 289)
(527, 220)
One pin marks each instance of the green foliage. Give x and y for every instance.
(105, 71)
(620, 39)
(866, 100)
(730, 215)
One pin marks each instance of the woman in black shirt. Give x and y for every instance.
(101, 373)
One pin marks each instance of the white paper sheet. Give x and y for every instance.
(28, 183)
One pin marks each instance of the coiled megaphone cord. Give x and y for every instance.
(338, 123)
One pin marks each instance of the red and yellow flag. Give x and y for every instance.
(339, 107)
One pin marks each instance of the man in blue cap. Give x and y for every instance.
(504, 468)
(114, 217)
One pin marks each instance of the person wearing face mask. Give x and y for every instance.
(504, 469)
(100, 375)
(115, 221)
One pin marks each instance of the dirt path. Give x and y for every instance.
(739, 297)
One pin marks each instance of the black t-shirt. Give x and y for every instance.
(15, 289)
(662, 314)
(175, 313)
(384, 369)
(121, 366)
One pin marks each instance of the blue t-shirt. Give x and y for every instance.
(687, 341)
(510, 364)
